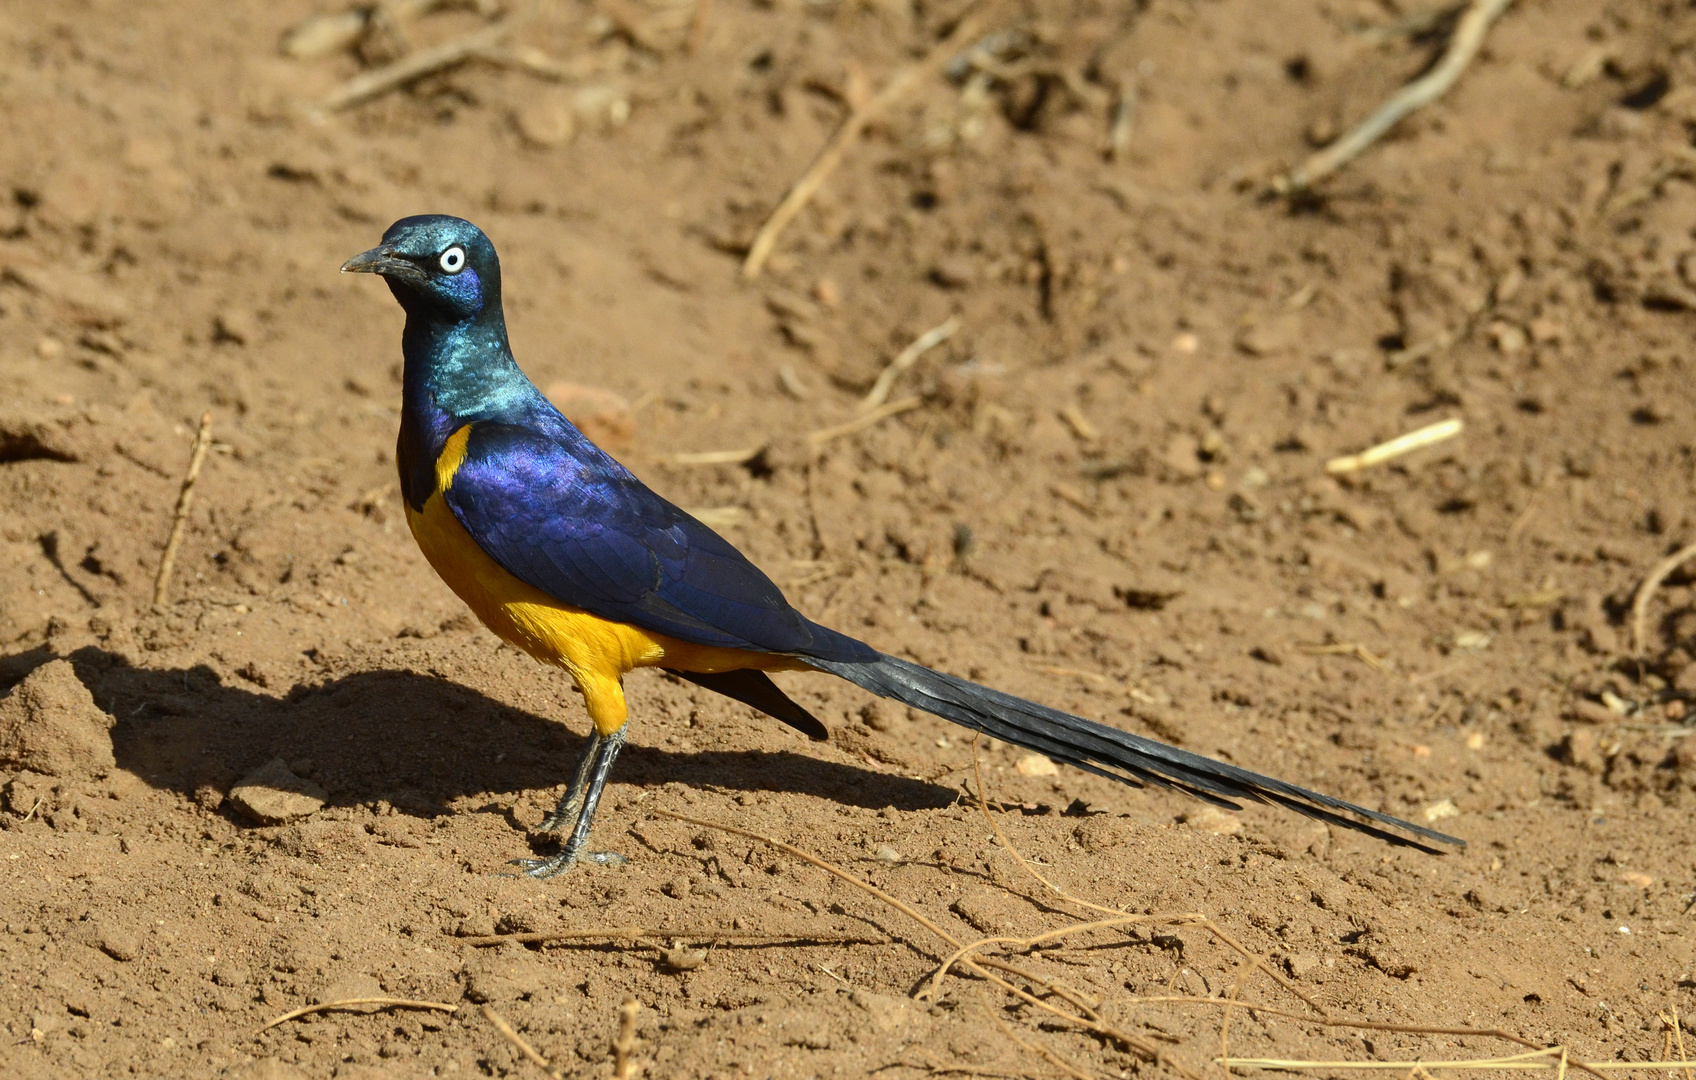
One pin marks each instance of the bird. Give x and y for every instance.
(561, 551)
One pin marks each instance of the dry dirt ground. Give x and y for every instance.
(1111, 496)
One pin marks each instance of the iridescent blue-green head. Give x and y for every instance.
(438, 267)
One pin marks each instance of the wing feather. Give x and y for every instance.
(561, 516)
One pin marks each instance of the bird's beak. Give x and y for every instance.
(383, 261)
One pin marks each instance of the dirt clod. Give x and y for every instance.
(348, 988)
(272, 795)
(49, 724)
(119, 943)
(1214, 821)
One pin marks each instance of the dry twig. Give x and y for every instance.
(1646, 591)
(1418, 439)
(185, 499)
(410, 68)
(622, 1062)
(1352, 648)
(1678, 1033)
(349, 1003)
(837, 148)
(1552, 1057)
(866, 420)
(1189, 918)
(965, 952)
(523, 1045)
(1124, 119)
(937, 1067)
(828, 867)
(978, 966)
(815, 439)
(1225, 1021)
(1038, 1049)
(930, 339)
(716, 457)
(635, 933)
(1463, 46)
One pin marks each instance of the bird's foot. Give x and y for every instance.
(542, 869)
(558, 821)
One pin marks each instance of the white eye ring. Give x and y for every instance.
(452, 260)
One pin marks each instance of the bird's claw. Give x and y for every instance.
(542, 869)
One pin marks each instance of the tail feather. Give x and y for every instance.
(1107, 751)
(755, 688)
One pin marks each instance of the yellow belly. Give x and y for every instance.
(595, 651)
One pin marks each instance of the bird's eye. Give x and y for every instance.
(452, 260)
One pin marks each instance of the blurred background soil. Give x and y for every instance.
(1108, 493)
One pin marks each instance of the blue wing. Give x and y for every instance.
(560, 515)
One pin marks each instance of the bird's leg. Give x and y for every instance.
(603, 749)
(566, 812)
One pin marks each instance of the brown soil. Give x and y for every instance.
(1112, 499)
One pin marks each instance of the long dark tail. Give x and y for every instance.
(1107, 751)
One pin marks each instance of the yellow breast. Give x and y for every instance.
(596, 651)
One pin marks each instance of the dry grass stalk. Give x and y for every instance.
(716, 457)
(837, 148)
(979, 966)
(637, 933)
(1187, 918)
(1678, 1034)
(415, 66)
(1087, 1017)
(1429, 435)
(1646, 591)
(937, 1067)
(1352, 648)
(1463, 46)
(622, 1062)
(859, 423)
(349, 1003)
(828, 867)
(1681, 164)
(965, 952)
(930, 339)
(517, 1040)
(1553, 1057)
(1325, 1018)
(185, 500)
(1124, 121)
(1038, 1049)
(815, 439)
(1080, 424)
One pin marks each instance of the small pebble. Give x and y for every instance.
(1036, 765)
(683, 958)
(1437, 811)
(1211, 819)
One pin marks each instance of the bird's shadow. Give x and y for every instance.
(415, 740)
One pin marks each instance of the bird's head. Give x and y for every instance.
(437, 267)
